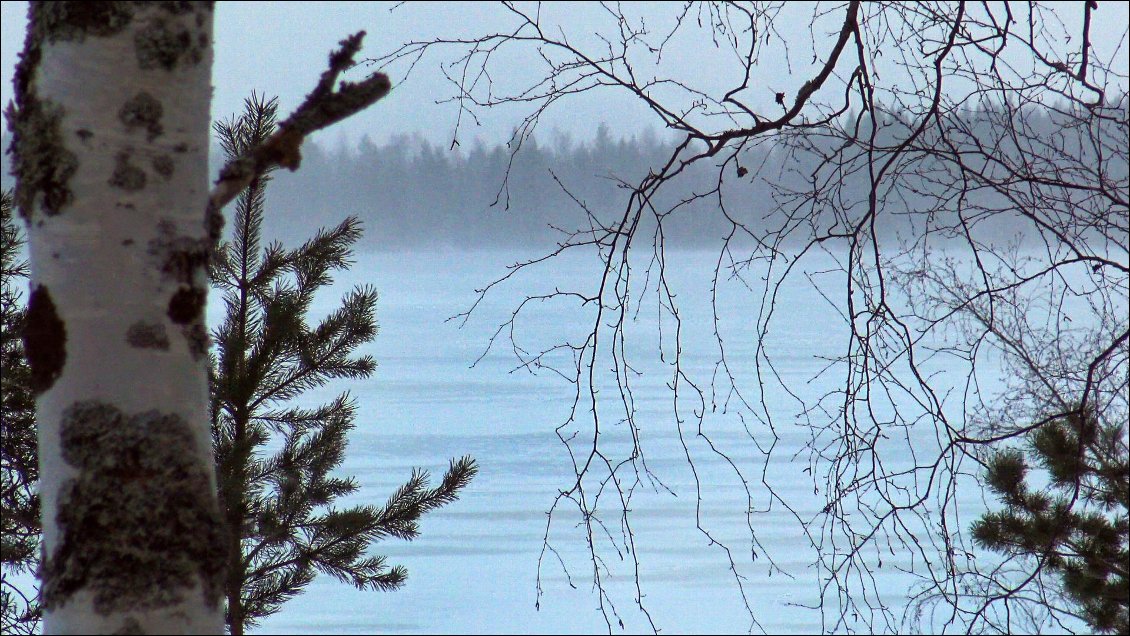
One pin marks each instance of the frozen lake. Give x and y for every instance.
(475, 567)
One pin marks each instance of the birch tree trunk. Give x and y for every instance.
(111, 130)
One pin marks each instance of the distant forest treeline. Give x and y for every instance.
(412, 194)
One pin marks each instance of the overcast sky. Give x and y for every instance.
(281, 48)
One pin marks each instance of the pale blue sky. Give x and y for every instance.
(280, 48)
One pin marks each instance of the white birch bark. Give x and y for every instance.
(111, 141)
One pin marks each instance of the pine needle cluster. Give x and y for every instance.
(19, 468)
(276, 461)
(1078, 525)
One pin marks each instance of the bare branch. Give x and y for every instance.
(323, 107)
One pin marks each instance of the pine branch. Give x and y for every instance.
(20, 522)
(1087, 463)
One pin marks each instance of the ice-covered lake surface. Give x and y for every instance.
(474, 569)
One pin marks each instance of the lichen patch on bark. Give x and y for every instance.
(196, 337)
(143, 111)
(181, 259)
(164, 166)
(139, 525)
(40, 159)
(45, 340)
(73, 21)
(178, 257)
(166, 43)
(147, 335)
(126, 175)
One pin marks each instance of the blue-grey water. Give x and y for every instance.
(474, 568)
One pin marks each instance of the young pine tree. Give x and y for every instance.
(274, 461)
(19, 465)
(1078, 524)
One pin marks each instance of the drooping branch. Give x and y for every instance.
(908, 185)
(322, 108)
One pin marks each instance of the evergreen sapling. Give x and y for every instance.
(275, 461)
